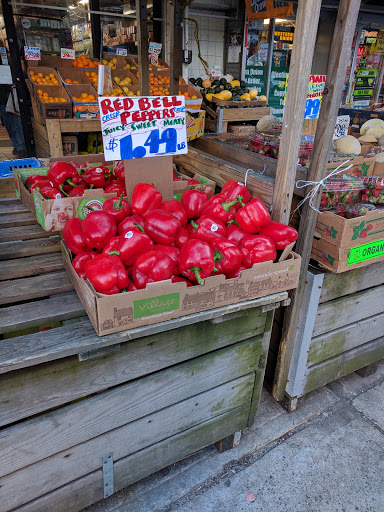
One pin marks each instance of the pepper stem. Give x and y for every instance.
(217, 256)
(70, 182)
(240, 200)
(196, 271)
(112, 253)
(140, 228)
(194, 224)
(61, 188)
(233, 221)
(118, 204)
(227, 206)
(91, 186)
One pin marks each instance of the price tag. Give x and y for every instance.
(154, 59)
(155, 48)
(4, 58)
(143, 127)
(121, 51)
(67, 53)
(341, 128)
(32, 53)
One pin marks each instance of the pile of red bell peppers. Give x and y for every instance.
(125, 246)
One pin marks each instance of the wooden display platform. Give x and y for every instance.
(141, 399)
(217, 122)
(48, 139)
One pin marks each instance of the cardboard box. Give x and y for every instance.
(206, 185)
(166, 300)
(43, 111)
(359, 116)
(241, 130)
(195, 120)
(73, 74)
(46, 71)
(70, 145)
(82, 110)
(361, 166)
(341, 259)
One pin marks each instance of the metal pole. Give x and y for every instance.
(96, 29)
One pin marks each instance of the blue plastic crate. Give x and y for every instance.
(6, 166)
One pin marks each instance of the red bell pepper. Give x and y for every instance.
(145, 198)
(281, 234)
(35, 178)
(196, 260)
(63, 173)
(117, 188)
(182, 237)
(39, 185)
(134, 221)
(256, 249)
(253, 216)
(228, 257)
(232, 189)
(178, 279)
(107, 274)
(76, 192)
(176, 209)
(193, 182)
(99, 227)
(236, 273)
(208, 229)
(49, 192)
(150, 267)
(131, 286)
(129, 246)
(217, 208)
(80, 260)
(119, 171)
(193, 200)
(74, 236)
(172, 252)
(162, 227)
(119, 208)
(96, 176)
(235, 234)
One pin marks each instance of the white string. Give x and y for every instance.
(317, 184)
(251, 170)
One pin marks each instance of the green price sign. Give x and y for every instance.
(366, 252)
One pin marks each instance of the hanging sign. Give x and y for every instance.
(143, 127)
(263, 9)
(121, 51)
(32, 53)
(154, 59)
(4, 58)
(379, 50)
(263, 52)
(341, 128)
(155, 48)
(67, 53)
(314, 95)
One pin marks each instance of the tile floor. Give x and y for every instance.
(6, 147)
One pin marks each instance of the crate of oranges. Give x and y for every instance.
(71, 76)
(93, 77)
(84, 62)
(84, 99)
(44, 76)
(51, 102)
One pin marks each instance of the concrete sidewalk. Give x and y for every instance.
(328, 456)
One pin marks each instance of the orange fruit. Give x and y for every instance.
(75, 82)
(84, 95)
(40, 75)
(68, 81)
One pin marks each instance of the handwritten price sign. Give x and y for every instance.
(32, 53)
(121, 51)
(67, 53)
(143, 127)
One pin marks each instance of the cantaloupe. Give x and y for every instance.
(375, 131)
(366, 139)
(206, 84)
(368, 124)
(348, 145)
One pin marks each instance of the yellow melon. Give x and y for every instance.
(235, 83)
(253, 93)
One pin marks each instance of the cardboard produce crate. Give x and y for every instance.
(83, 110)
(165, 300)
(241, 130)
(73, 74)
(70, 145)
(45, 71)
(43, 111)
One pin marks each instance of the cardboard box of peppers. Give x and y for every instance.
(125, 245)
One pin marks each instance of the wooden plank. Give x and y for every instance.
(21, 219)
(245, 114)
(220, 171)
(349, 309)
(337, 64)
(40, 151)
(13, 250)
(28, 232)
(54, 138)
(12, 207)
(47, 475)
(346, 362)
(345, 338)
(142, 49)
(41, 144)
(30, 266)
(30, 391)
(83, 125)
(40, 129)
(87, 490)
(48, 434)
(34, 287)
(338, 285)
(32, 314)
(7, 188)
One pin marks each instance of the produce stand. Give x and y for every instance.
(170, 388)
(218, 121)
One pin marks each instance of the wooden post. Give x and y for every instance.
(142, 33)
(97, 36)
(176, 49)
(299, 72)
(337, 65)
(379, 80)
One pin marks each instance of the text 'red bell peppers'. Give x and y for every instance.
(172, 252)
(176, 209)
(253, 216)
(81, 259)
(129, 246)
(256, 249)
(107, 274)
(281, 234)
(134, 221)
(96, 176)
(196, 260)
(162, 227)
(217, 208)
(235, 234)
(74, 236)
(232, 189)
(152, 266)
(182, 237)
(193, 200)
(208, 229)
(145, 198)
(99, 227)
(228, 257)
(119, 208)
(63, 173)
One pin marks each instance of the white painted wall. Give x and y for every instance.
(211, 37)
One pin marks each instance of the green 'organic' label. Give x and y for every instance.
(366, 252)
(39, 211)
(156, 305)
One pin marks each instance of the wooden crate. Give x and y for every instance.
(341, 327)
(146, 397)
(217, 120)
